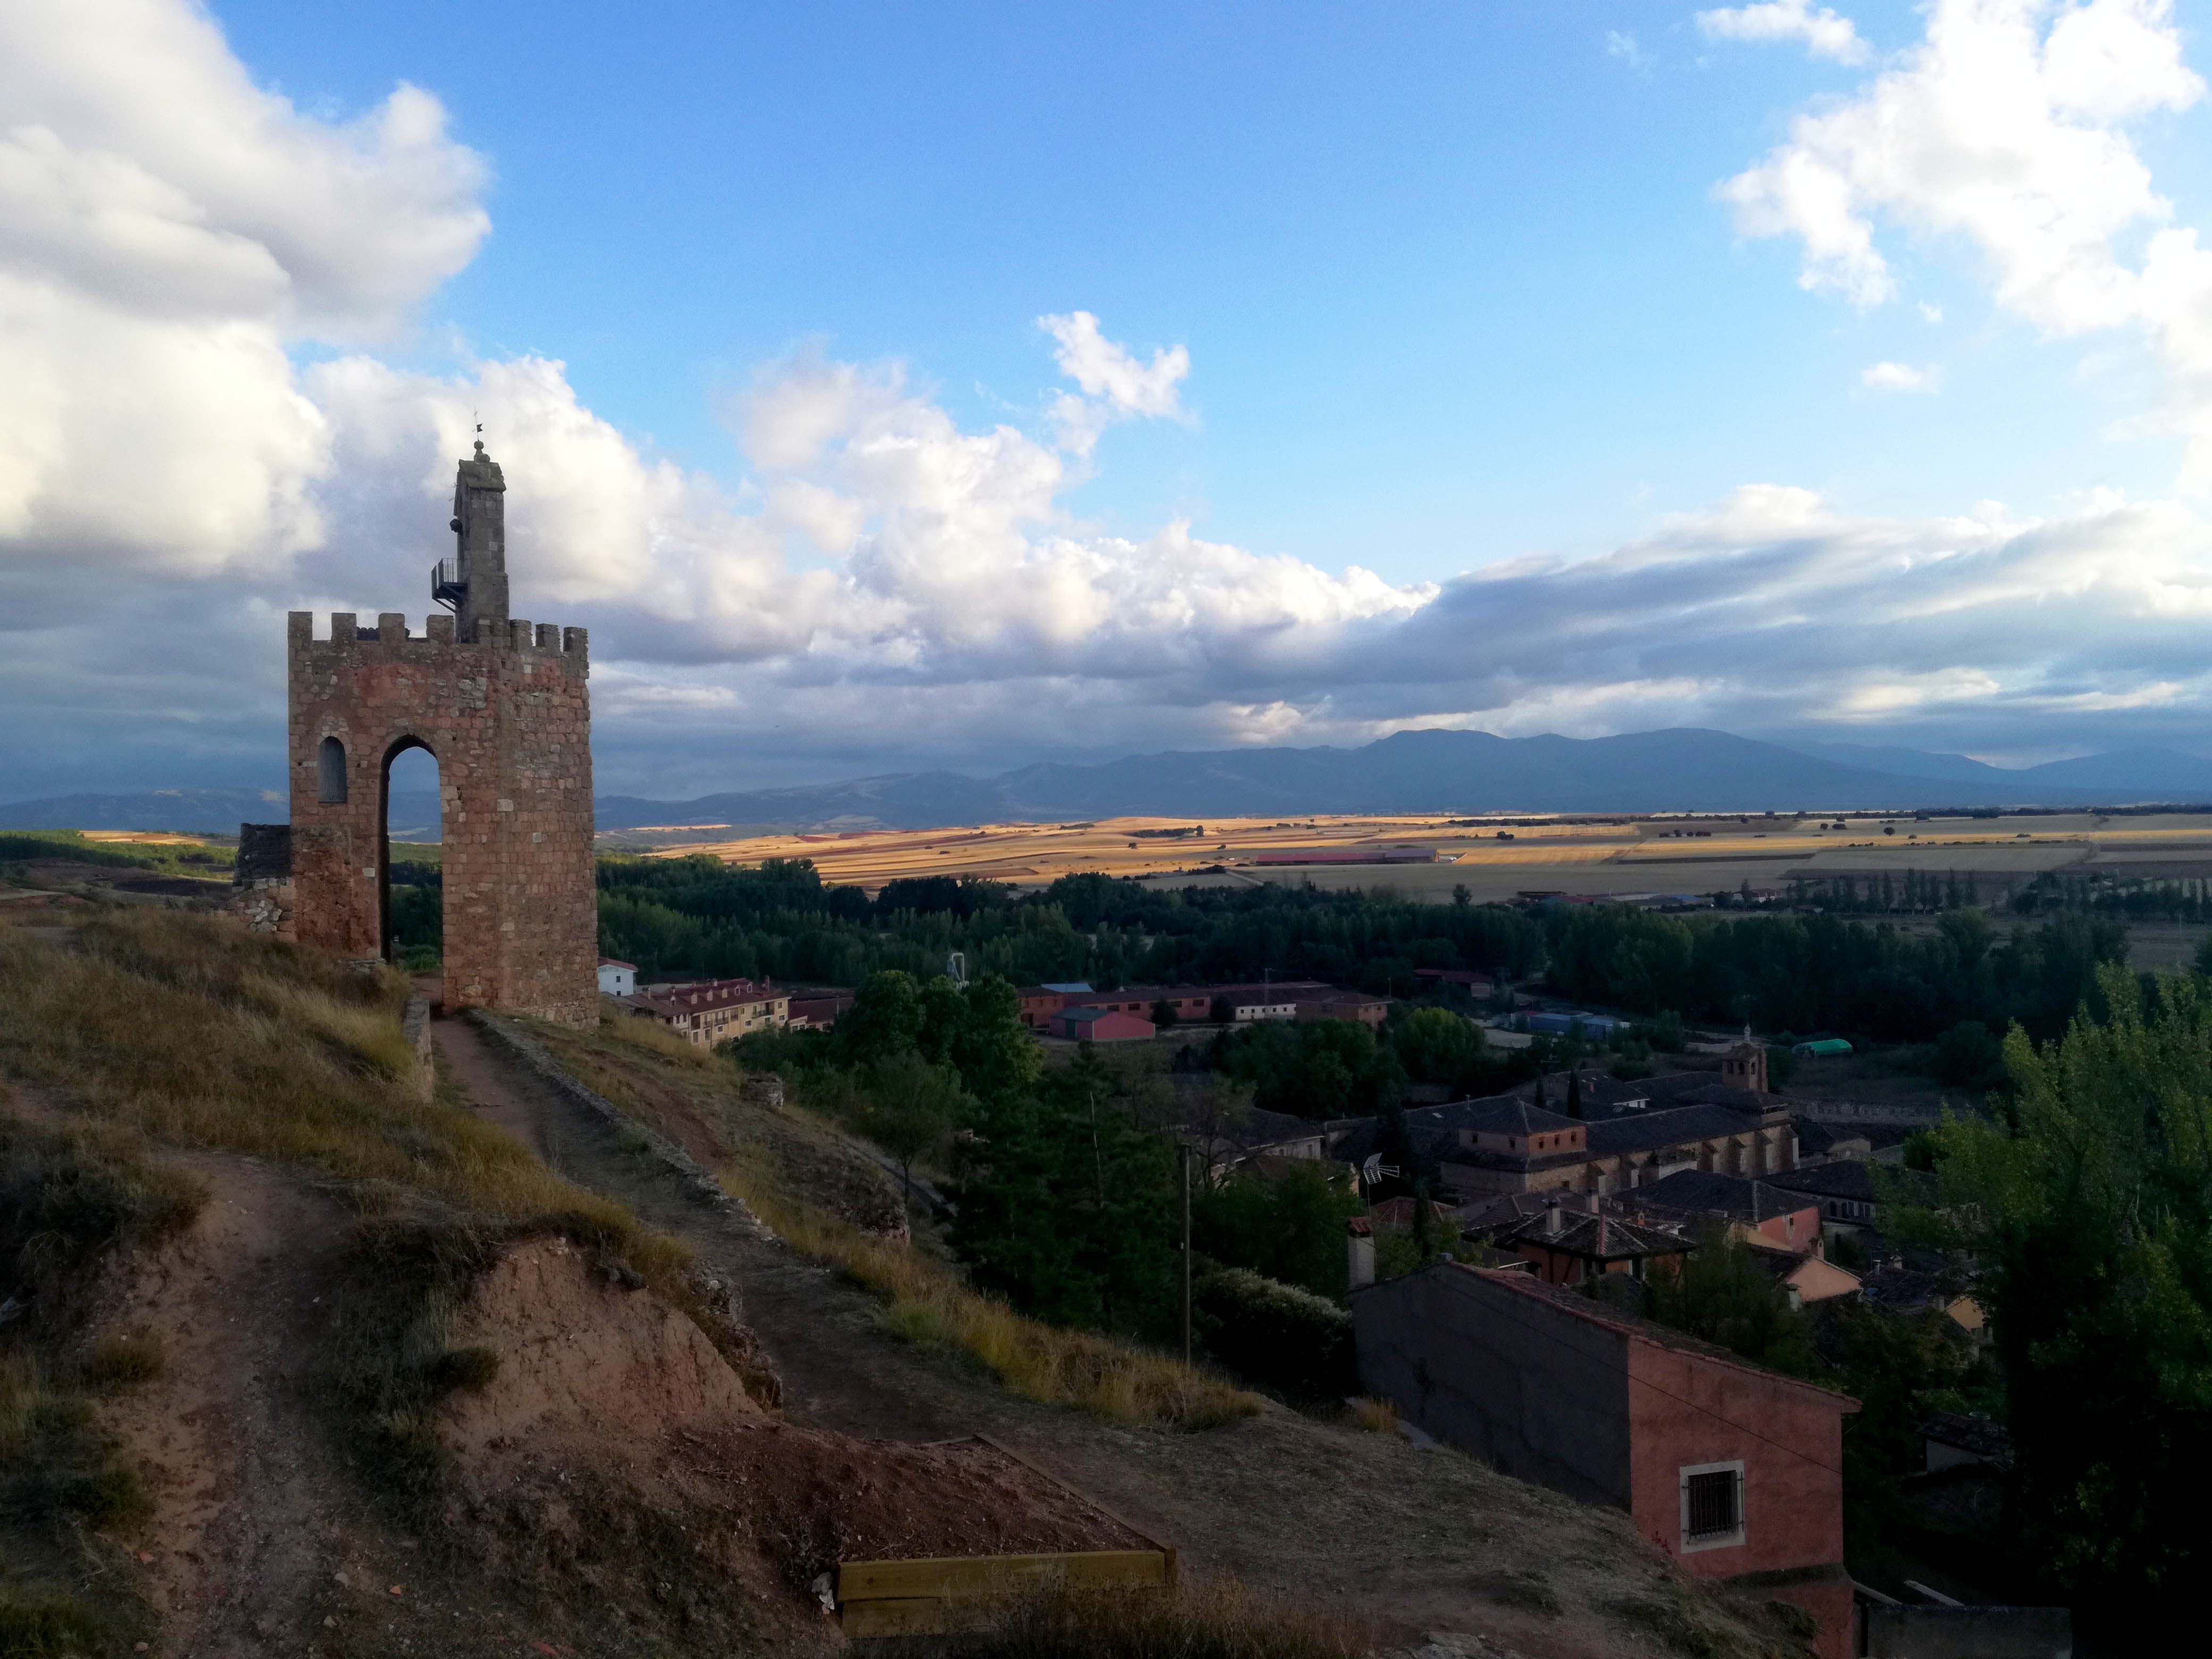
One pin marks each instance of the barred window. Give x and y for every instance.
(1712, 1505)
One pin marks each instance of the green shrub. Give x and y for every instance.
(68, 1195)
(54, 1464)
(463, 1370)
(116, 1362)
(1276, 1335)
(39, 1621)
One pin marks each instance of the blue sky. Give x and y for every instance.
(1452, 277)
(1478, 338)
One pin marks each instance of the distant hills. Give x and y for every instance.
(189, 811)
(1678, 770)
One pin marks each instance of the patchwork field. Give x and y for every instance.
(1499, 858)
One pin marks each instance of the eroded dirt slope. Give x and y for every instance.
(1320, 1514)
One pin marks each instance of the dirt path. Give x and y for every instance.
(1317, 1514)
(240, 1475)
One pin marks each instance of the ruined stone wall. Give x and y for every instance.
(507, 717)
(261, 882)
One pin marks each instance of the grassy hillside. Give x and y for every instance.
(293, 1357)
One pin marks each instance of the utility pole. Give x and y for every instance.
(1186, 1252)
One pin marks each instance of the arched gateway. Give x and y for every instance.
(505, 710)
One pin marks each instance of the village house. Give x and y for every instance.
(1502, 1144)
(1951, 1440)
(1734, 1470)
(1226, 1141)
(1805, 1277)
(1356, 1006)
(1572, 1239)
(817, 1008)
(713, 1011)
(617, 979)
(1906, 1291)
(1845, 1192)
(1301, 998)
(1750, 1210)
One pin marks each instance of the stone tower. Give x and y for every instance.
(1744, 1066)
(504, 709)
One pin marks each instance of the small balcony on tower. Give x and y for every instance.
(446, 587)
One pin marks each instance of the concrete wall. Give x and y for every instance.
(1909, 1633)
(1495, 1371)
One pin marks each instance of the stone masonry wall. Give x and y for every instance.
(508, 717)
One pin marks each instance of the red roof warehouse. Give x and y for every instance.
(1734, 1470)
(1099, 1025)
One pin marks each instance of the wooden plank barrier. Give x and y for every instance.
(940, 1594)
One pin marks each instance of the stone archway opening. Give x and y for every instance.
(409, 861)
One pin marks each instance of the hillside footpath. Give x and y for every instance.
(1320, 1514)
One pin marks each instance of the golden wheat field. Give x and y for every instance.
(1498, 859)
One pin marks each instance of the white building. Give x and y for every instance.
(617, 979)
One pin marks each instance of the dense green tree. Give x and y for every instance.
(1317, 1069)
(995, 1054)
(1068, 1205)
(908, 1106)
(1435, 1045)
(1287, 1222)
(2089, 1207)
(885, 1020)
(781, 920)
(1820, 973)
(1720, 1292)
(943, 1018)
(418, 919)
(1899, 1367)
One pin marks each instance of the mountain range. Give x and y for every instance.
(1682, 770)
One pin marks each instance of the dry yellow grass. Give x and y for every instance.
(926, 1303)
(1033, 854)
(1569, 854)
(1377, 1416)
(145, 837)
(201, 1035)
(655, 1038)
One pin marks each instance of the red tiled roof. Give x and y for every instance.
(1592, 1237)
(709, 995)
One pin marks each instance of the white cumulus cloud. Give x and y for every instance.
(2007, 131)
(1826, 34)
(1116, 385)
(1900, 377)
(888, 587)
